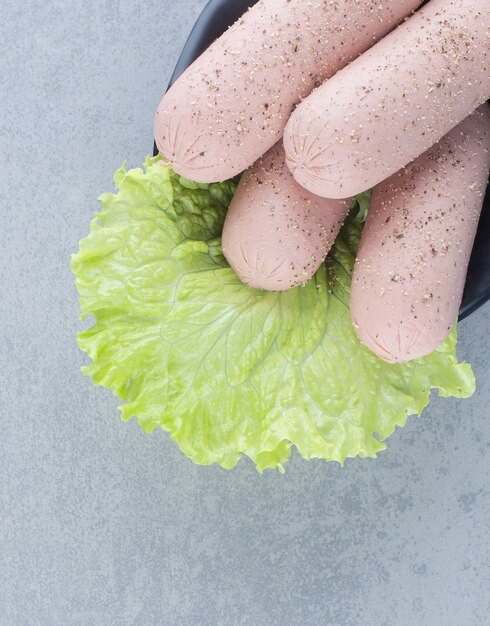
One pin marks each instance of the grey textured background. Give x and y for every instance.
(103, 525)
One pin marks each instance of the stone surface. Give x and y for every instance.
(103, 525)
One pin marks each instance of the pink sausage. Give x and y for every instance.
(233, 103)
(394, 102)
(276, 233)
(411, 267)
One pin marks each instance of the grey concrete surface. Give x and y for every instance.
(103, 525)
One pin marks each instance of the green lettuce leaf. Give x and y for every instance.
(229, 370)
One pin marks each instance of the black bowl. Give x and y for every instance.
(216, 17)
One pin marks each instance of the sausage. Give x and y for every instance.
(233, 102)
(276, 233)
(394, 102)
(411, 267)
